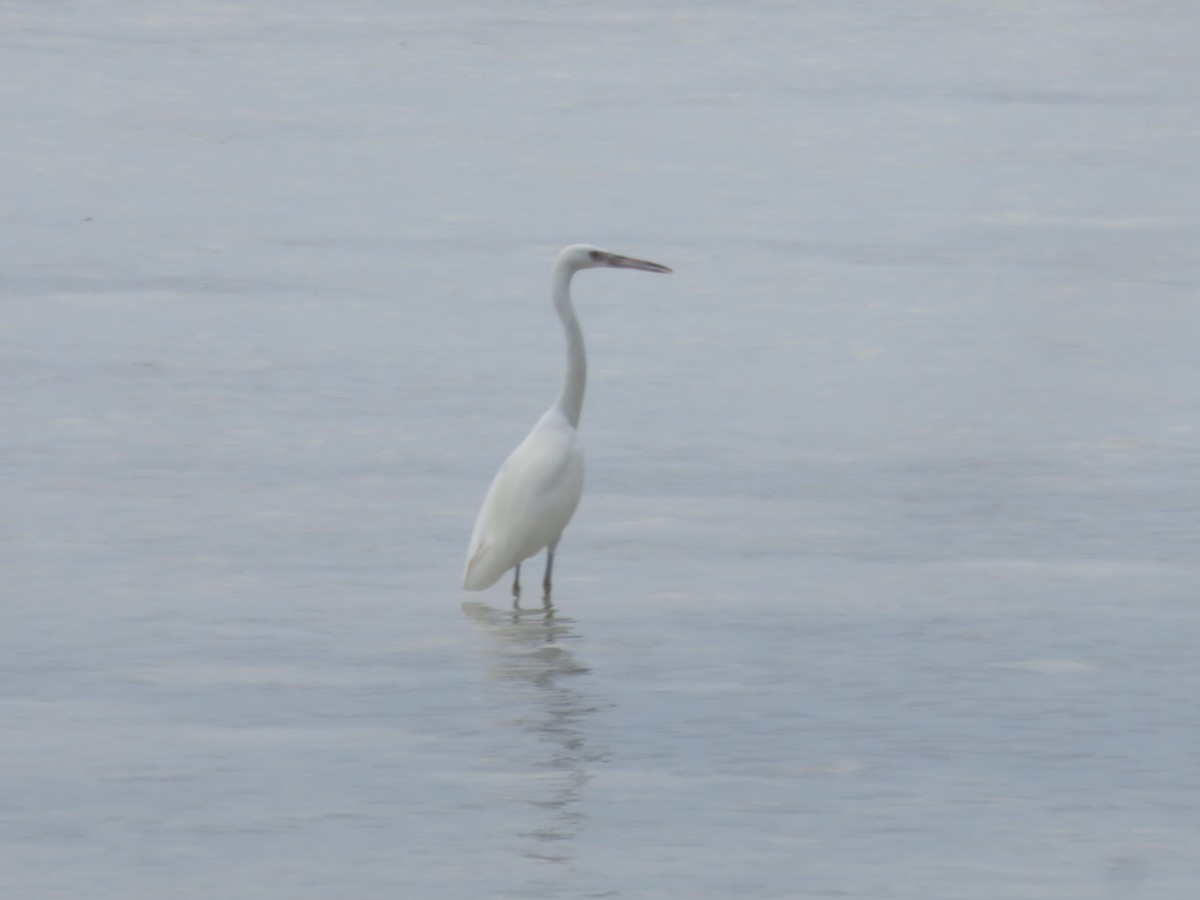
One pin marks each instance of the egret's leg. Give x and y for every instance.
(549, 568)
(517, 583)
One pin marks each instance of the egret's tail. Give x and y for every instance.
(482, 570)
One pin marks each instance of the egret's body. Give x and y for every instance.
(536, 491)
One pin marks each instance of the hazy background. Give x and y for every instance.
(885, 580)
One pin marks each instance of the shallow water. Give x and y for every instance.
(884, 583)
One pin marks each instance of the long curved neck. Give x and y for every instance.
(570, 401)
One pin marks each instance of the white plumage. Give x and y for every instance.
(530, 502)
(536, 491)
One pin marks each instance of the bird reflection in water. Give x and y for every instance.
(526, 648)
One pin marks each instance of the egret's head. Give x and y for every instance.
(585, 256)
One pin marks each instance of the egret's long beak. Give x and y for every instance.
(628, 262)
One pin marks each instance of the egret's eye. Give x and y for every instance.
(596, 255)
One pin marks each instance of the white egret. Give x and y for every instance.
(534, 495)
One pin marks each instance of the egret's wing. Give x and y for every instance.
(529, 503)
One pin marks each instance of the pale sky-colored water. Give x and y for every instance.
(884, 584)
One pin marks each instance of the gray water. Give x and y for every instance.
(885, 581)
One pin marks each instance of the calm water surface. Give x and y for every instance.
(885, 581)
